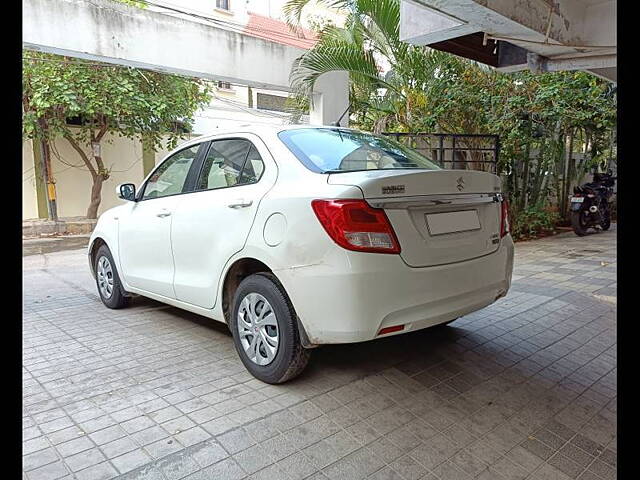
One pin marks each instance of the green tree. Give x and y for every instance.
(127, 102)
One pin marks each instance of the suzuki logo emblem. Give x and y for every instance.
(460, 184)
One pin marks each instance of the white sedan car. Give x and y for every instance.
(301, 236)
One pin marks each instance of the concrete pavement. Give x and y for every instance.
(525, 388)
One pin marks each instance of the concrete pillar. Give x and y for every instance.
(330, 99)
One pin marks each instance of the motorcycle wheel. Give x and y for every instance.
(606, 221)
(579, 223)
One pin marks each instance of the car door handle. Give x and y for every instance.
(241, 204)
(163, 213)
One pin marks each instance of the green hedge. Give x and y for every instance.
(532, 222)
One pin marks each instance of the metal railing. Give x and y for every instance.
(453, 150)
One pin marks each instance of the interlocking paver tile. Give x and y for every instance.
(549, 472)
(83, 460)
(523, 388)
(149, 435)
(102, 471)
(74, 446)
(177, 465)
(118, 447)
(129, 461)
(207, 453)
(52, 471)
(162, 448)
(408, 468)
(449, 471)
(321, 454)
(219, 425)
(147, 472)
(297, 466)
(34, 445)
(38, 459)
(609, 457)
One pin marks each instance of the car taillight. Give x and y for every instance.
(504, 218)
(355, 225)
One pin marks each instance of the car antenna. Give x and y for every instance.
(337, 122)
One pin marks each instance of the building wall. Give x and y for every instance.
(29, 199)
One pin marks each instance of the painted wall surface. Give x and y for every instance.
(29, 199)
(122, 157)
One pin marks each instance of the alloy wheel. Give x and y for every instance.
(105, 277)
(258, 329)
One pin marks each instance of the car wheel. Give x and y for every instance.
(265, 330)
(107, 280)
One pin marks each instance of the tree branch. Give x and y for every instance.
(103, 130)
(82, 154)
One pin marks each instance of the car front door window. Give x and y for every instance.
(170, 177)
(229, 163)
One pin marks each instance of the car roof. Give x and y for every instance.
(259, 129)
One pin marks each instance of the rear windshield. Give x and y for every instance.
(327, 150)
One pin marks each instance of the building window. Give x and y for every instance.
(274, 103)
(222, 4)
(224, 86)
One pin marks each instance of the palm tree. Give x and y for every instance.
(368, 45)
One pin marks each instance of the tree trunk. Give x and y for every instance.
(98, 172)
(539, 175)
(98, 179)
(96, 196)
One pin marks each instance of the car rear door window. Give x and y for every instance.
(253, 167)
(228, 163)
(170, 177)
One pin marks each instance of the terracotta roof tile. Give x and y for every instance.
(279, 32)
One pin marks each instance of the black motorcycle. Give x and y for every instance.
(590, 207)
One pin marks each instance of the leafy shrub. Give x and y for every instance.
(532, 222)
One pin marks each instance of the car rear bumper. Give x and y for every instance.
(351, 296)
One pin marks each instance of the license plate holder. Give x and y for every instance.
(452, 222)
(577, 199)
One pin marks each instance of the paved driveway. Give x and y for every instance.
(523, 389)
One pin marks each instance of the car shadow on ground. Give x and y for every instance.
(354, 360)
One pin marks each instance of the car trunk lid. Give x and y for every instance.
(439, 216)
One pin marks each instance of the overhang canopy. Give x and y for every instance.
(542, 35)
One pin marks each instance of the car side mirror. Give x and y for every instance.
(127, 191)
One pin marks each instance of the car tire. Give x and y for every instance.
(108, 281)
(257, 296)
